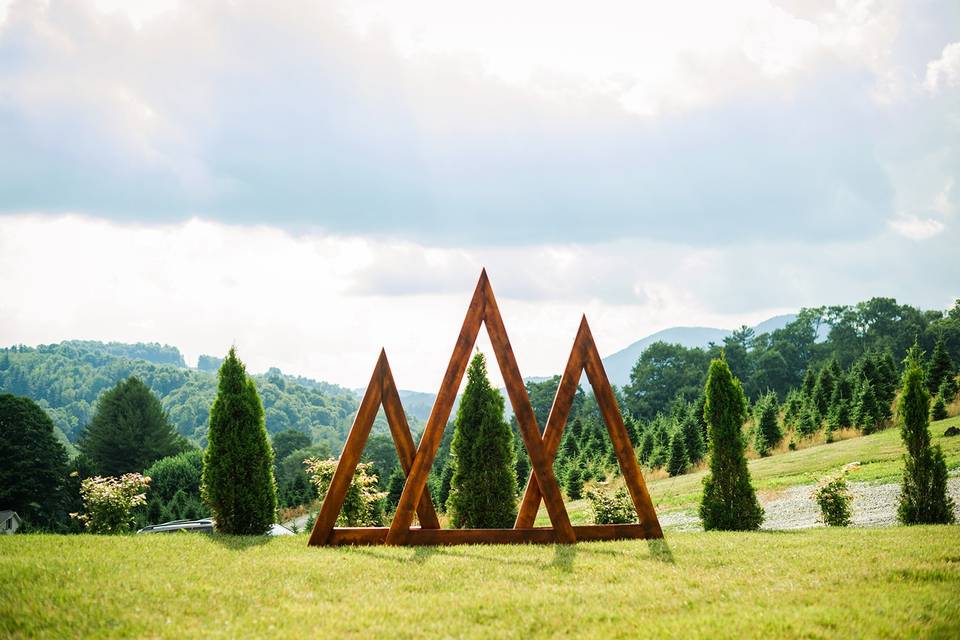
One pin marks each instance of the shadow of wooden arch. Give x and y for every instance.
(542, 484)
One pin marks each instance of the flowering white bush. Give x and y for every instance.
(363, 504)
(109, 502)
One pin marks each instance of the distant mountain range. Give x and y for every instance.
(619, 364)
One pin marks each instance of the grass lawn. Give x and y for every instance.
(880, 456)
(892, 582)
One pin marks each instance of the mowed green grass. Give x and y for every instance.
(878, 583)
(880, 456)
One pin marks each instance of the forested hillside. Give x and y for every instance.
(66, 379)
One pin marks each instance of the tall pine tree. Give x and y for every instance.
(729, 501)
(483, 486)
(238, 483)
(130, 431)
(923, 498)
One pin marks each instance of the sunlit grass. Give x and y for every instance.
(822, 582)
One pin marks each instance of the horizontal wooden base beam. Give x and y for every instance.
(435, 537)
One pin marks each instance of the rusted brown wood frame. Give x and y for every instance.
(382, 390)
(537, 535)
(584, 356)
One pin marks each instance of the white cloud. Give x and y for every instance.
(944, 72)
(916, 228)
(322, 305)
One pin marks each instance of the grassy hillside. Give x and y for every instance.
(815, 583)
(880, 456)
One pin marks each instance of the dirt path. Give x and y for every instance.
(874, 505)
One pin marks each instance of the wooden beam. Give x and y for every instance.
(406, 450)
(433, 433)
(438, 537)
(556, 421)
(622, 446)
(542, 463)
(352, 448)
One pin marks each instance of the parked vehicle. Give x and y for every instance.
(203, 525)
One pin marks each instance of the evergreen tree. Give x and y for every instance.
(677, 463)
(129, 431)
(809, 383)
(692, 441)
(574, 483)
(948, 389)
(646, 448)
(729, 501)
(809, 421)
(867, 413)
(395, 488)
(483, 486)
(33, 463)
(238, 483)
(923, 498)
(938, 410)
(446, 478)
(768, 434)
(940, 366)
(838, 416)
(823, 390)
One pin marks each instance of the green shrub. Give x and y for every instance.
(483, 489)
(729, 502)
(237, 482)
(834, 499)
(109, 502)
(616, 508)
(363, 504)
(923, 498)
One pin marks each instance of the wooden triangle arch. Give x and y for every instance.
(542, 484)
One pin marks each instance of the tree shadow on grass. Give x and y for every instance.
(238, 543)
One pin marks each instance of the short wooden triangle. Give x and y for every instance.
(585, 356)
(382, 391)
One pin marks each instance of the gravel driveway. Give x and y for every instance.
(874, 505)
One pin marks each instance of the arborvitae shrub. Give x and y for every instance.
(767, 434)
(677, 462)
(238, 483)
(483, 486)
(923, 498)
(834, 499)
(729, 502)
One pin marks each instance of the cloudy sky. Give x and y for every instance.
(313, 180)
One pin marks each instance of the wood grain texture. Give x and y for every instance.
(552, 433)
(433, 432)
(523, 411)
(622, 446)
(403, 440)
(352, 449)
(437, 537)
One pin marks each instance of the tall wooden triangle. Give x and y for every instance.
(382, 390)
(483, 309)
(585, 356)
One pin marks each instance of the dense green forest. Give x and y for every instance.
(67, 378)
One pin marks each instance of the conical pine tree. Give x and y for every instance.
(923, 498)
(768, 434)
(677, 463)
(729, 501)
(238, 483)
(940, 367)
(483, 486)
(938, 410)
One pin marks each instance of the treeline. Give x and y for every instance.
(66, 380)
(779, 361)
